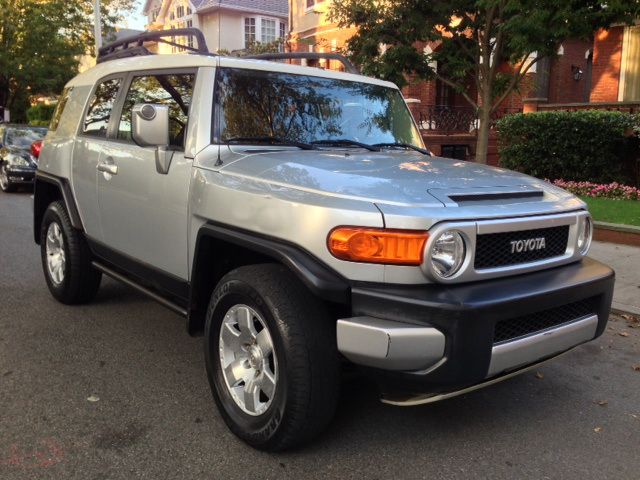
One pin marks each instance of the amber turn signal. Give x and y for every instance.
(377, 245)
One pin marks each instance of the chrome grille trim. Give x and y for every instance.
(471, 229)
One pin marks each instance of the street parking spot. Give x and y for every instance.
(117, 389)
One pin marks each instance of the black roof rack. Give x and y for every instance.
(348, 66)
(134, 45)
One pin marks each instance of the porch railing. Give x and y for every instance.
(446, 120)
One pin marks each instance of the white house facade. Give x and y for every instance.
(227, 24)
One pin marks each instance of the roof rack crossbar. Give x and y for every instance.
(348, 66)
(134, 45)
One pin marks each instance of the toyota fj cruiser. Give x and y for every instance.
(294, 218)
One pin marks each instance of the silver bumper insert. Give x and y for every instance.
(389, 345)
(514, 354)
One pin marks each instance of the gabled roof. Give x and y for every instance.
(279, 7)
(276, 7)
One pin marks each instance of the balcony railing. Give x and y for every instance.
(446, 120)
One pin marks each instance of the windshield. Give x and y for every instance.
(303, 108)
(24, 137)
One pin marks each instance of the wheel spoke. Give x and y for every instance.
(231, 338)
(251, 396)
(268, 384)
(236, 372)
(245, 323)
(264, 342)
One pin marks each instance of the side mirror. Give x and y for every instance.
(150, 128)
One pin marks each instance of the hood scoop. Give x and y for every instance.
(488, 196)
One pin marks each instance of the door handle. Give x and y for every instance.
(107, 166)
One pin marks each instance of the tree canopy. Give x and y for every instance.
(41, 42)
(474, 41)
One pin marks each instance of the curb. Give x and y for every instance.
(616, 233)
(624, 308)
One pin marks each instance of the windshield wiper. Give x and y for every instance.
(403, 145)
(346, 142)
(271, 141)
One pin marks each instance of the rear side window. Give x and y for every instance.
(174, 90)
(57, 113)
(96, 122)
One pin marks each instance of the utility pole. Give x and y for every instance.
(97, 28)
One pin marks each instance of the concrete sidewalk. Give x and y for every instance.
(625, 260)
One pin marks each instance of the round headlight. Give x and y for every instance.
(18, 161)
(447, 253)
(584, 235)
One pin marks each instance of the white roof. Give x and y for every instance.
(148, 62)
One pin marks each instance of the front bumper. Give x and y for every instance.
(18, 175)
(442, 338)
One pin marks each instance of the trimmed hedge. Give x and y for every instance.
(40, 115)
(588, 145)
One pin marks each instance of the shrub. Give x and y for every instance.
(40, 115)
(590, 145)
(612, 190)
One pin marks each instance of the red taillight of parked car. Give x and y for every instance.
(36, 147)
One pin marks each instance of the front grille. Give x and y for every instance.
(512, 328)
(502, 249)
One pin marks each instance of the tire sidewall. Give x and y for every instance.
(255, 430)
(52, 214)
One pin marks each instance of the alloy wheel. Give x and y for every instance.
(56, 259)
(248, 360)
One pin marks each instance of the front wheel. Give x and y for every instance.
(271, 357)
(66, 259)
(5, 183)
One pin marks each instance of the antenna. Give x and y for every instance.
(216, 105)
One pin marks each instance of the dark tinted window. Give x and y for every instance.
(306, 108)
(23, 137)
(174, 90)
(97, 120)
(57, 113)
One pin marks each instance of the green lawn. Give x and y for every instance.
(626, 212)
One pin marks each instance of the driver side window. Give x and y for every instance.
(174, 90)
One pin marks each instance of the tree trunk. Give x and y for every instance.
(482, 142)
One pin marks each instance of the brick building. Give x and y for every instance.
(604, 69)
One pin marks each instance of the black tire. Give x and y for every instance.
(304, 343)
(5, 184)
(80, 280)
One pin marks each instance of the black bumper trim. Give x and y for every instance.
(467, 315)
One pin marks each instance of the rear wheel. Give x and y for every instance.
(271, 357)
(66, 259)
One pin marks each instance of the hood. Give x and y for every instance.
(11, 154)
(394, 178)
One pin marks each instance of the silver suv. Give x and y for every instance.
(294, 218)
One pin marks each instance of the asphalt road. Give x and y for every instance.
(117, 389)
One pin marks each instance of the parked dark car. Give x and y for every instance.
(17, 162)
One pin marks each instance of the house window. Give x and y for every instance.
(283, 30)
(268, 30)
(190, 38)
(180, 11)
(311, 3)
(249, 31)
(189, 11)
(630, 74)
